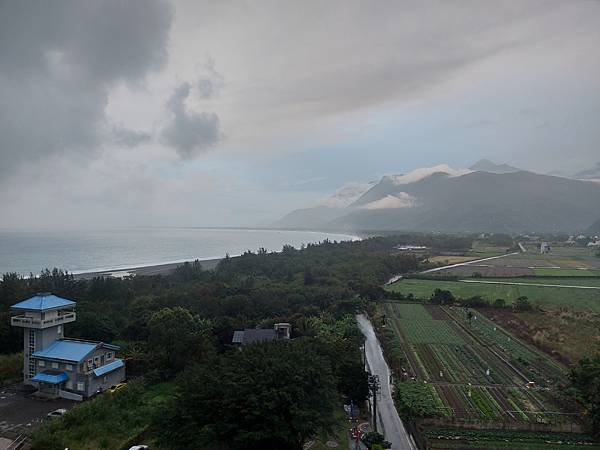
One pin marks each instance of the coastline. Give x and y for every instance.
(167, 268)
(149, 270)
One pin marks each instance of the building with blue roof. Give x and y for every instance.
(58, 366)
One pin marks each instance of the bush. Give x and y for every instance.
(11, 368)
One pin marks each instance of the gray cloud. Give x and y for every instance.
(190, 133)
(129, 138)
(58, 62)
(210, 82)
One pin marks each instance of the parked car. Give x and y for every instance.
(139, 447)
(116, 387)
(57, 413)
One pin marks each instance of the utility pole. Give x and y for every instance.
(365, 352)
(374, 388)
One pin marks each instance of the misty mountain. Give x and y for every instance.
(594, 229)
(589, 174)
(485, 165)
(444, 199)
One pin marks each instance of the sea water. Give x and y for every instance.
(26, 252)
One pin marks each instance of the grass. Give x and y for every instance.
(579, 299)
(109, 421)
(566, 333)
(546, 272)
(11, 368)
(339, 433)
(567, 281)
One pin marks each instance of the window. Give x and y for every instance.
(68, 367)
(80, 386)
(109, 356)
(42, 363)
(55, 365)
(59, 329)
(69, 384)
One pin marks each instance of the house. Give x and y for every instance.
(252, 335)
(59, 366)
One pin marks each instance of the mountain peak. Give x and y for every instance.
(485, 165)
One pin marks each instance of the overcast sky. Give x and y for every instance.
(232, 113)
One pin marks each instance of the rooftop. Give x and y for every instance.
(250, 335)
(43, 302)
(70, 349)
(106, 368)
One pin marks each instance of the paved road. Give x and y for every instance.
(19, 413)
(389, 423)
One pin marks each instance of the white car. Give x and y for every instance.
(57, 413)
(139, 447)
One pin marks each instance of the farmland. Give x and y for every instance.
(452, 438)
(577, 299)
(476, 370)
(565, 334)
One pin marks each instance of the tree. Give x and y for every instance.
(270, 395)
(585, 379)
(499, 303)
(522, 304)
(442, 297)
(176, 338)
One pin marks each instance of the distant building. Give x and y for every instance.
(281, 330)
(544, 247)
(58, 366)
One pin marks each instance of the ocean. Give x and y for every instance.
(26, 252)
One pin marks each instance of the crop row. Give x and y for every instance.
(429, 332)
(537, 366)
(462, 364)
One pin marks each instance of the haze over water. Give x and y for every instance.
(28, 252)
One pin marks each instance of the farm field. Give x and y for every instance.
(565, 281)
(547, 297)
(567, 335)
(559, 257)
(476, 371)
(452, 259)
(567, 272)
(453, 438)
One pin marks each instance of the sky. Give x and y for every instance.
(233, 113)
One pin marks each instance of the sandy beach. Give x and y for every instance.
(159, 269)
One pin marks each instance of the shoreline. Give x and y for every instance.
(147, 270)
(208, 262)
(167, 268)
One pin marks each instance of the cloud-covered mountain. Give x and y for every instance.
(445, 199)
(485, 165)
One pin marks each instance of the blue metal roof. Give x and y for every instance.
(66, 350)
(43, 302)
(52, 378)
(116, 364)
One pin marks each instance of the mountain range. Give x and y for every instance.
(484, 197)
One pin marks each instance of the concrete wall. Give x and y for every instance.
(42, 339)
